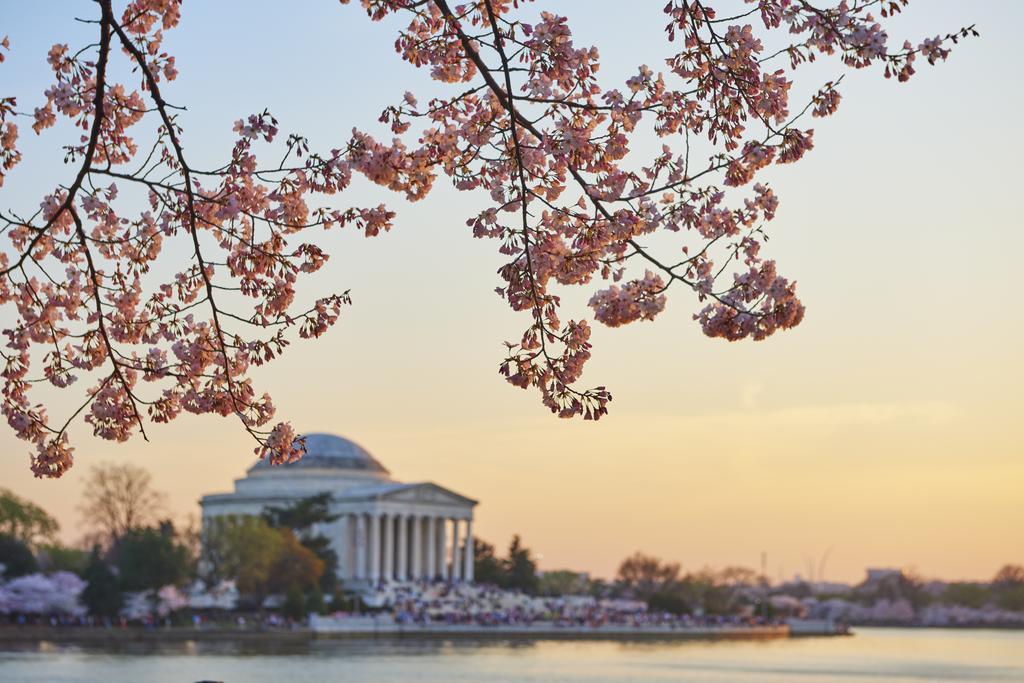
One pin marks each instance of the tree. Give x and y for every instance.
(520, 568)
(1008, 576)
(16, 558)
(294, 605)
(102, 594)
(301, 515)
(118, 499)
(528, 122)
(295, 566)
(973, 595)
(563, 582)
(1011, 597)
(671, 600)
(24, 520)
(902, 585)
(304, 517)
(340, 602)
(701, 592)
(55, 557)
(190, 535)
(663, 586)
(57, 593)
(645, 575)
(738, 577)
(487, 568)
(151, 558)
(598, 588)
(315, 602)
(242, 548)
(1008, 585)
(259, 558)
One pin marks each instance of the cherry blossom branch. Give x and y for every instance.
(530, 124)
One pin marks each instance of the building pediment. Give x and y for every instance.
(427, 492)
(423, 492)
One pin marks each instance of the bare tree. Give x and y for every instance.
(117, 499)
(1010, 575)
(646, 574)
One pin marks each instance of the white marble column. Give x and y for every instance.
(403, 547)
(360, 568)
(417, 546)
(456, 555)
(341, 546)
(425, 538)
(431, 572)
(375, 547)
(467, 572)
(440, 570)
(389, 547)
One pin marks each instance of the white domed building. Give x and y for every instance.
(386, 530)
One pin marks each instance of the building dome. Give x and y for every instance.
(329, 451)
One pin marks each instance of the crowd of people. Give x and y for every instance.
(471, 604)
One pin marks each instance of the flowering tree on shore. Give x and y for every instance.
(57, 593)
(97, 298)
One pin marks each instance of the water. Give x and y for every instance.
(890, 655)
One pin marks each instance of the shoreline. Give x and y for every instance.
(141, 634)
(544, 631)
(86, 635)
(89, 635)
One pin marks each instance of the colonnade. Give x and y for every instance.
(379, 546)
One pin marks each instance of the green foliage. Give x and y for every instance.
(243, 548)
(55, 557)
(597, 588)
(24, 520)
(973, 595)
(518, 571)
(487, 567)
(669, 600)
(294, 603)
(260, 558)
(342, 603)
(301, 517)
(102, 594)
(315, 601)
(1008, 587)
(1011, 597)
(302, 514)
(320, 546)
(151, 558)
(663, 586)
(563, 582)
(644, 575)
(16, 557)
(707, 593)
(520, 568)
(1009, 576)
(295, 566)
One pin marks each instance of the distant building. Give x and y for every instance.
(386, 530)
(880, 574)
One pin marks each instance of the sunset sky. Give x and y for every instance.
(885, 430)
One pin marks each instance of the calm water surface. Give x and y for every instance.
(894, 655)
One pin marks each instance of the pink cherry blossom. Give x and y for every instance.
(100, 307)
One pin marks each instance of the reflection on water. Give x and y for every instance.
(896, 655)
